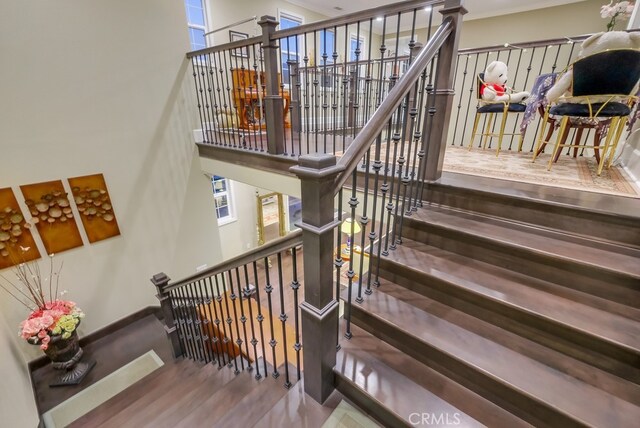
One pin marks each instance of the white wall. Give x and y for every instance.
(103, 86)
(17, 406)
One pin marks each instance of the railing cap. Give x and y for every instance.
(268, 19)
(316, 165)
(160, 279)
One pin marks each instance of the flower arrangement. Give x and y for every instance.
(49, 315)
(617, 10)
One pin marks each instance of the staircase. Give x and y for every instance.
(187, 394)
(495, 310)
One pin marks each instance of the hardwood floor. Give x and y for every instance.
(110, 353)
(184, 393)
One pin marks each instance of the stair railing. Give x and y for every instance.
(380, 178)
(237, 312)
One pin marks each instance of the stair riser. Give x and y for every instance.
(577, 344)
(593, 224)
(512, 400)
(372, 407)
(591, 279)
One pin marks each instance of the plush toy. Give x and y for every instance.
(226, 118)
(597, 43)
(494, 87)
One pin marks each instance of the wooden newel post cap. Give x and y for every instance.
(160, 279)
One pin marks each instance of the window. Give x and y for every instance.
(289, 47)
(354, 43)
(327, 45)
(222, 197)
(196, 24)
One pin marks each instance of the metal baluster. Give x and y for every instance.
(209, 112)
(472, 89)
(190, 323)
(283, 320)
(409, 113)
(229, 339)
(254, 341)
(198, 97)
(272, 342)
(206, 322)
(345, 81)
(514, 79)
(338, 262)
(334, 86)
(295, 285)
(260, 318)
(243, 320)
(353, 203)
(212, 96)
(224, 340)
(216, 322)
(229, 98)
(180, 324)
(307, 93)
(233, 298)
(418, 155)
(220, 98)
(324, 89)
(197, 318)
(459, 95)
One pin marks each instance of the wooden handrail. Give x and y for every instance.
(358, 148)
(286, 242)
(225, 46)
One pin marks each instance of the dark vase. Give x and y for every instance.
(65, 355)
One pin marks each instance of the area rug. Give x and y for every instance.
(347, 416)
(94, 395)
(570, 173)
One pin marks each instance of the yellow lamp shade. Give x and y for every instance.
(347, 224)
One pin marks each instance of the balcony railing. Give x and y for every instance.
(382, 104)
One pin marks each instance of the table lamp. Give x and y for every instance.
(347, 224)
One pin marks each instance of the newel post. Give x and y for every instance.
(444, 92)
(317, 173)
(161, 280)
(273, 102)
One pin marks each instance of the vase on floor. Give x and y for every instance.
(65, 356)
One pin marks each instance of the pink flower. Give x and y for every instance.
(46, 339)
(44, 346)
(42, 334)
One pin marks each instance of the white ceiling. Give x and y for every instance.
(477, 8)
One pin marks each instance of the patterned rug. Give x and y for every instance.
(571, 173)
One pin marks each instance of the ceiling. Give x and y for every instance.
(477, 8)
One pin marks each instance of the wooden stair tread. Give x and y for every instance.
(585, 372)
(154, 407)
(541, 241)
(212, 407)
(297, 409)
(510, 288)
(148, 387)
(409, 386)
(531, 378)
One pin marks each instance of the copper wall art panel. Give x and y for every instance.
(56, 223)
(16, 240)
(94, 205)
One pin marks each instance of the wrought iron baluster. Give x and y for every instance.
(216, 324)
(295, 285)
(272, 342)
(180, 324)
(243, 320)
(254, 342)
(233, 296)
(260, 318)
(283, 321)
(229, 339)
(206, 320)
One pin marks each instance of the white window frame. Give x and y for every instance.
(229, 194)
(362, 39)
(283, 52)
(204, 27)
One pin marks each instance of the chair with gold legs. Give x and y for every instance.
(603, 84)
(493, 109)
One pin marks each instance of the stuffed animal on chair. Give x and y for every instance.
(597, 43)
(494, 85)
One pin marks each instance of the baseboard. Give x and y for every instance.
(102, 332)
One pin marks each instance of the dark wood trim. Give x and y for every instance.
(100, 333)
(273, 163)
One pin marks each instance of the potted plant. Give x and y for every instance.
(52, 322)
